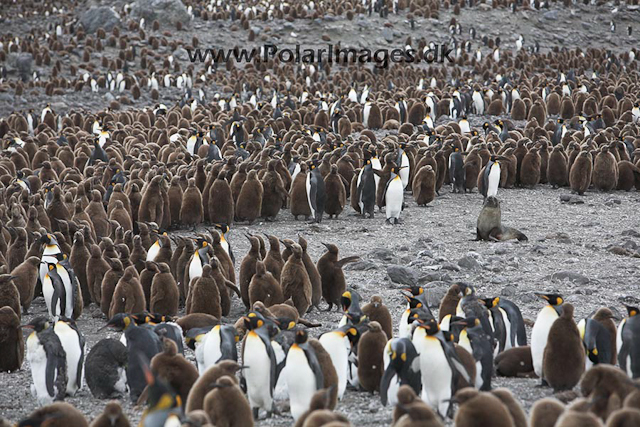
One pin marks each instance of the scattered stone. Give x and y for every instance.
(361, 266)
(436, 276)
(619, 250)
(509, 291)
(387, 34)
(450, 266)
(469, 262)
(539, 249)
(551, 15)
(425, 254)
(613, 201)
(571, 276)
(99, 17)
(404, 275)
(572, 199)
(181, 54)
(498, 280)
(382, 254)
(435, 292)
(167, 12)
(631, 233)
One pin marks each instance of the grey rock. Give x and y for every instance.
(382, 254)
(181, 54)
(509, 291)
(572, 199)
(631, 233)
(551, 15)
(612, 202)
(404, 275)
(571, 276)
(21, 63)
(425, 253)
(387, 34)
(469, 262)
(99, 17)
(361, 266)
(167, 12)
(586, 25)
(436, 276)
(435, 292)
(450, 266)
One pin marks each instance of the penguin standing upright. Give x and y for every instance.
(338, 344)
(224, 242)
(456, 171)
(219, 344)
(303, 374)
(315, 192)
(394, 197)
(49, 251)
(546, 317)
(491, 178)
(405, 166)
(73, 343)
(57, 296)
(401, 366)
(628, 343)
(48, 362)
(366, 189)
(481, 349)
(261, 373)
(440, 366)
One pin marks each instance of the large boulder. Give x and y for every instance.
(99, 16)
(167, 12)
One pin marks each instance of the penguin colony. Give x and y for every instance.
(91, 205)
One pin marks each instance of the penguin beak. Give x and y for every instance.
(28, 326)
(326, 245)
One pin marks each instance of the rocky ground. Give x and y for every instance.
(567, 252)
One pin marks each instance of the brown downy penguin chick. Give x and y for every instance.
(57, 414)
(513, 405)
(571, 418)
(204, 295)
(108, 285)
(519, 110)
(545, 412)
(625, 417)
(605, 170)
(175, 194)
(274, 195)
(515, 361)
(120, 215)
(203, 384)
(329, 373)
(139, 254)
(298, 194)
(376, 311)
(449, 302)
(320, 401)
(95, 211)
(26, 276)
(79, 260)
(172, 367)
(407, 399)
(164, 292)
(580, 174)
(17, 249)
(530, 168)
(57, 210)
(628, 176)
(264, 287)
(249, 201)
(197, 418)
(295, 280)
(9, 295)
(601, 383)
(196, 320)
(312, 271)
(227, 405)
(331, 274)
(558, 167)
(336, 193)
(191, 213)
(221, 205)
(248, 268)
(477, 408)
(11, 340)
(128, 296)
(112, 416)
(370, 364)
(152, 205)
(424, 186)
(563, 361)
(273, 262)
(224, 286)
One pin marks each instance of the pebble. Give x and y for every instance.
(571, 276)
(403, 275)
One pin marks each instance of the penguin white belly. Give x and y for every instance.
(68, 287)
(539, 336)
(394, 384)
(404, 172)
(394, 198)
(478, 381)
(342, 322)
(352, 371)
(301, 381)
(296, 171)
(48, 256)
(211, 348)
(225, 245)
(436, 374)
(338, 348)
(365, 114)
(258, 373)
(308, 187)
(619, 336)
(404, 328)
(123, 339)
(121, 384)
(463, 341)
(47, 292)
(507, 327)
(195, 267)
(360, 203)
(445, 323)
(280, 392)
(478, 103)
(71, 344)
(494, 180)
(37, 358)
(153, 251)
(200, 356)
(191, 145)
(375, 163)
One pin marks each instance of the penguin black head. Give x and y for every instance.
(632, 311)
(253, 320)
(414, 302)
(202, 242)
(161, 396)
(49, 240)
(468, 322)
(38, 324)
(431, 326)
(120, 321)
(195, 335)
(414, 290)
(224, 228)
(398, 353)
(465, 289)
(285, 323)
(301, 336)
(490, 302)
(552, 299)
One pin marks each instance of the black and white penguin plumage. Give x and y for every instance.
(73, 343)
(59, 288)
(315, 192)
(456, 171)
(628, 343)
(597, 342)
(219, 344)
(105, 368)
(401, 366)
(339, 344)
(303, 374)
(482, 350)
(48, 362)
(224, 242)
(199, 258)
(546, 317)
(366, 189)
(401, 107)
(394, 197)
(405, 166)
(491, 178)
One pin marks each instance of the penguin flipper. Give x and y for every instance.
(315, 367)
(384, 383)
(227, 345)
(229, 284)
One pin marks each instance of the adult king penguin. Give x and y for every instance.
(491, 178)
(394, 197)
(304, 374)
(402, 366)
(315, 192)
(628, 343)
(73, 343)
(546, 317)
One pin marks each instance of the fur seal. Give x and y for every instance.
(489, 225)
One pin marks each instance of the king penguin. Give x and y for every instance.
(57, 296)
(401, 366)
(394, 197)
(219, 344)
(315, 192)
(366, 189)
(48, 362)
(540, 332)
(481, 349)
(339, 344)
(404, 164)
(303, 373)
(224, 242)
(73, 343)
(628, 343)
(491, 178)
(261, 374)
